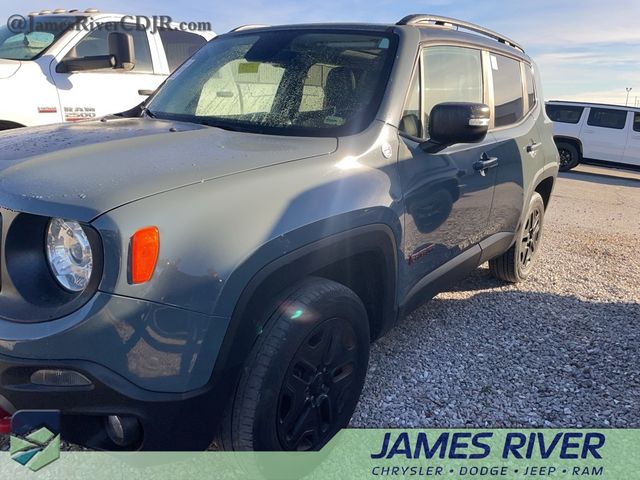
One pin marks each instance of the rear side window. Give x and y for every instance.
(636, 122)
(507, 90)
(179, 46)
(607, 118)
(531, 86)
(450, 74)
(564, 113)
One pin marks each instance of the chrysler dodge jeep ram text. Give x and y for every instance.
(214, 264)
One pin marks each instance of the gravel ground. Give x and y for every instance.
(561, 350)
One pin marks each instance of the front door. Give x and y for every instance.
(447, 201)
(91, 94)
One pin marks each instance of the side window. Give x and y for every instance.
(96, 43)
(636, 122)
(531, 86)
(178, 46)
(507, 90)
(564, 113)
(607, 118)
(450, 74)
(410, 123)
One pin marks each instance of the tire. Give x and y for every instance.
(515, 264)
(569, 156)
(304, 376)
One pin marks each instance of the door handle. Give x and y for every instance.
(532, 147)
(485, 163)
(145, 93)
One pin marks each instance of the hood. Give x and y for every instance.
(79, 171)
(8, 67)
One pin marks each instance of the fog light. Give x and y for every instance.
(123, 431)
(59, 378)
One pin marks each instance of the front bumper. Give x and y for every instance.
(168, 421)
(145, 360)
(156, 347)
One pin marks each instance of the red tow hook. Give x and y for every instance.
(5, 422)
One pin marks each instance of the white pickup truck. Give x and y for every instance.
(65, 66)
(592, 132)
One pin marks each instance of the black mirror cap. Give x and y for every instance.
(122, 49)
(84, 64)
(457, 122)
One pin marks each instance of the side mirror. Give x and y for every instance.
(121, 56)
(453, 123)
(122, 50)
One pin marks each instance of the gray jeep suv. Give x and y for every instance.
(213, 265)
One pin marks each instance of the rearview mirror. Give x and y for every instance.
(452, 123)
(121, 56)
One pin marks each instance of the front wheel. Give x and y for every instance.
(305, 374)
(569, 156)
(516, 264)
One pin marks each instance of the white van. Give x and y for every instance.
(595, 132)
(62, 66)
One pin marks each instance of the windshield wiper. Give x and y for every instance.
(223, 126)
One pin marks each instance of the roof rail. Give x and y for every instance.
(247, 27)
(427, 19)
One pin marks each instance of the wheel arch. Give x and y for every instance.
(571, 140)
(545, 187)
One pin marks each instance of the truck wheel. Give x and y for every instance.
(305, 374)
(569, 156)
(516, 263)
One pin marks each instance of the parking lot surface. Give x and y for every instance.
(561, 350)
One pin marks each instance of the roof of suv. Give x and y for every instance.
(431, 27)
(591, 104)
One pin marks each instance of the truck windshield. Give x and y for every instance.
(287, 82)
(38, 34)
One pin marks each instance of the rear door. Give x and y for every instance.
(604, 136)
(632, 152)
(519, 146)
(447, 201)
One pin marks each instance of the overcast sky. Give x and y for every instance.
(585, 49)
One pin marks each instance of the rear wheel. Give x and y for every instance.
(516, 264)
(306, 372)
(569, 156)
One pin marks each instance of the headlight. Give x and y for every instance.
(69, 254)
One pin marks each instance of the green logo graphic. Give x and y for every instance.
(36, 450)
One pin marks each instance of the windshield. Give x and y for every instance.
(38, 34)
(290, 82)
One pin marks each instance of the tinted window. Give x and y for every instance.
(531, 86)
(607, 118)
(450, 74)
(96, 43)
(410, 123)
(288, 82)
(564, 113)
(507, 90)
(636, 122)
(178, 46)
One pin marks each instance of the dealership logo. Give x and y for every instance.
(35, 450)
